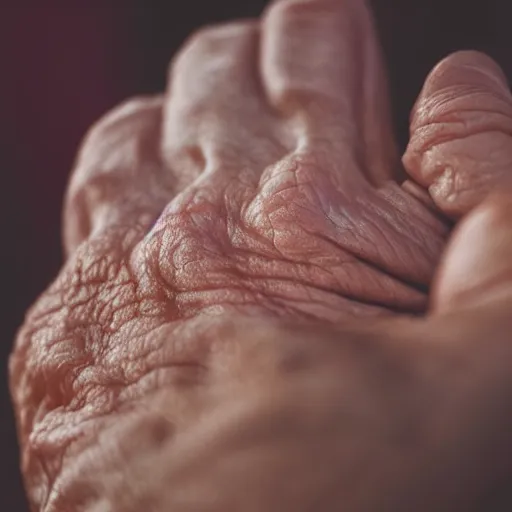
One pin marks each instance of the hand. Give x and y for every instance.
(221, 336)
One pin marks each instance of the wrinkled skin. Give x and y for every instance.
(240, 323)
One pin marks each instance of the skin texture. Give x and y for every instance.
(242, 323)
(461, 133)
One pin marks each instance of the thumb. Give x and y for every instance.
(470, 334)
(461, 132)
(477, 267)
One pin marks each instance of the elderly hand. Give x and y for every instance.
(237, 326)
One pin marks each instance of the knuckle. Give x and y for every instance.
(280, 9)
(301, 10)
(123, 140)
(135, 107)
(118, 168)
(211, 34)
(134, 111)
(214, 39)
(285, 204)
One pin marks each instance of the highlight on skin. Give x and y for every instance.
(249, 285)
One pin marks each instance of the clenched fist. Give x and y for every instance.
(242, 320)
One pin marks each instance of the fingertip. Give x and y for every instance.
(462, 73)
(462, 67)
(460, 147)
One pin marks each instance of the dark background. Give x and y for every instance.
(63, 64)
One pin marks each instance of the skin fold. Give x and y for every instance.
(255, 312)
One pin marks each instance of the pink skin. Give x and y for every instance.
(461, 132)
(231, 247)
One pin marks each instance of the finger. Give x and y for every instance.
(477, 268)
(321, 62)
(471, 324)
(461, 356)
(215, 115)
(461, 132)
(118, 179)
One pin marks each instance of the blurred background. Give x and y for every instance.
(63, 64)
